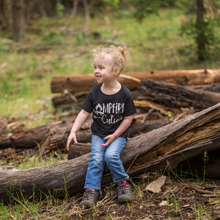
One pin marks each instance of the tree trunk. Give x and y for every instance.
(177, 96)
(201, 28)
(6, 15)
(81, 83)
(160, 148)
(18, 10)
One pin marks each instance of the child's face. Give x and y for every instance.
(103, 70)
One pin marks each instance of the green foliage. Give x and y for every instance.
(145, 8)
(80, 39)
(104, 3)
(51, 37)
(113, 3)
(6, 84)
(205, 160)
(59, 8)
(169, 117)
(203, 28)
(102, 6)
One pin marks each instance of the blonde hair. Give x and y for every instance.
(119, 55)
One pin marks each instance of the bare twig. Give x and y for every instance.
(72, 15)
(132, 163)
(130, 77)
(87, 15)
(179, 116)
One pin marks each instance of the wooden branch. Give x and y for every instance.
(72, 15)
(151, 105)
(154, 150)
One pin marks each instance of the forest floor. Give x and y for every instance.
(178, 199)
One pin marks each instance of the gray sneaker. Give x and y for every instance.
(90, 198)
(124, 192)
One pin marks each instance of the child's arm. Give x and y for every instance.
(122, 127)
(81, 118)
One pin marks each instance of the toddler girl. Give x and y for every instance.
(112, 109)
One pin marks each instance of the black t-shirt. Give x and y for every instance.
(109, 110)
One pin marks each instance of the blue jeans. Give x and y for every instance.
(101, 155)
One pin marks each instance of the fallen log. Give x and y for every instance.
(79, 83)
(213, 88)
(30, 138)
(66, 100)
(177, 96)
(56, 133)
(147, 152)
(79, 149)
(54, 136)
(138, 128)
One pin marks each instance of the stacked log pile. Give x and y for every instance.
(165, 132)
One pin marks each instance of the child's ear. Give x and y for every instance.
(116, 71)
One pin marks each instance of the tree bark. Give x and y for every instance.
(36, 136)
(79, 83)
(18, 10)
(201, 28)
(213, 88)
(177, 96)
(79, 149)
(138, 128)
(168, 145)
(6, 15)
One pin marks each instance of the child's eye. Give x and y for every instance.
(101, 67)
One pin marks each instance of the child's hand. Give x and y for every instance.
(110, 138)
(72, 137)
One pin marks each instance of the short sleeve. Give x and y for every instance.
(88, 104)
(129, 107)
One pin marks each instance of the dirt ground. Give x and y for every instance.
(178, 200)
